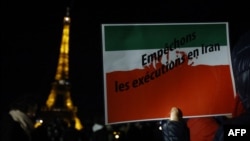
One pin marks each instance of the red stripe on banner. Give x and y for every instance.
(197, 90)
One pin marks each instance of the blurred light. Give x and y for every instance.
(38, 123)
(78, 124)
(67, 19)
(116, 135)
(61, 82)
(160, 128)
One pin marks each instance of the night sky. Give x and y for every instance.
(31, 36)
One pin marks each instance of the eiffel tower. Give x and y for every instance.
(59, 103)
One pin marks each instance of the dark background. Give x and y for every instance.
(31, 35)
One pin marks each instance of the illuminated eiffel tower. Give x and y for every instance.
(59, 103)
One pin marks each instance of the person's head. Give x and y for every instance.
(241, 68)
(26, 104)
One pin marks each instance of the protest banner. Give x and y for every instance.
(149, 68)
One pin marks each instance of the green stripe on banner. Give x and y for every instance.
(155, 36)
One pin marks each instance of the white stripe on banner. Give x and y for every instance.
(132, 59)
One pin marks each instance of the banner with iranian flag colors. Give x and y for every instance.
(149, 68)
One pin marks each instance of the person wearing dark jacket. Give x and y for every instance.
(241, 69)
(176, 130)
(18, 123)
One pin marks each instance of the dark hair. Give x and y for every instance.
(24, 103)
(241, 68)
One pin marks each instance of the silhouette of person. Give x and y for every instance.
(18, 123)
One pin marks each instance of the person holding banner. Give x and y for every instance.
(241, 69)
(212, 128)
(175, 129)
